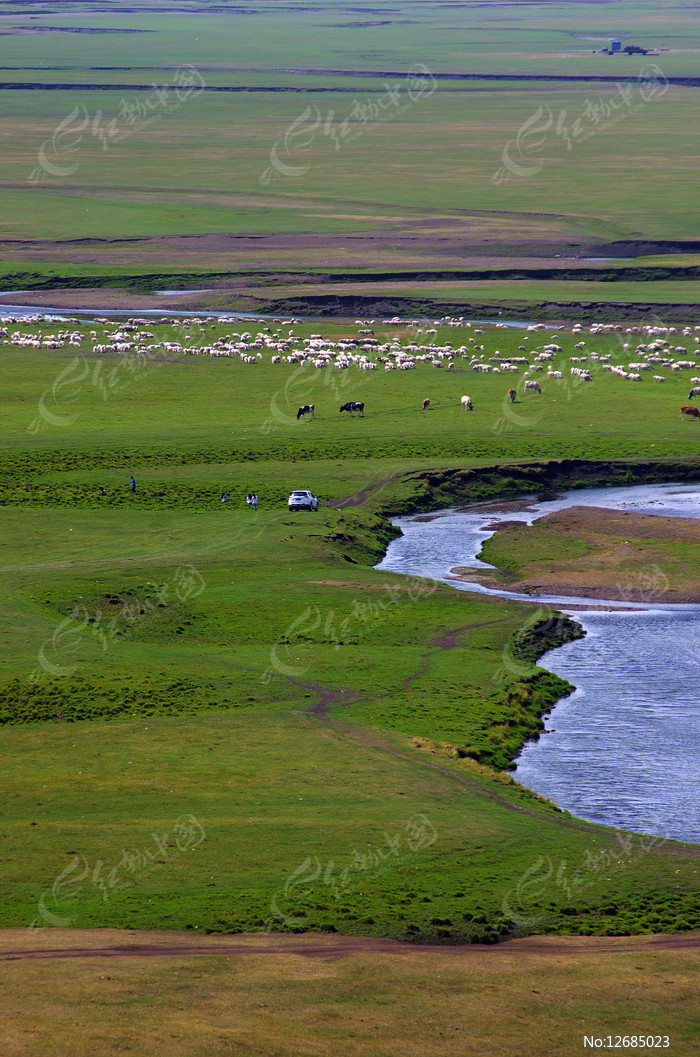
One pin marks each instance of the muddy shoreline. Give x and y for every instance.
(234, 293)
(564, 589)
(102, 300)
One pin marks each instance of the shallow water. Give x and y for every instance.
(60, 314)
(623, 749)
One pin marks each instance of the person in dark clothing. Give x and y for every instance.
(133, 485)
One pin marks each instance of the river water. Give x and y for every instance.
(86, 315)
(623, 749)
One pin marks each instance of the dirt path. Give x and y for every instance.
(360, 498)
(328, 698)
(91, 944)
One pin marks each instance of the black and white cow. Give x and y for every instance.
(307, 409)
(355, 405)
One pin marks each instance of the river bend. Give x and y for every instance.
(623, 749)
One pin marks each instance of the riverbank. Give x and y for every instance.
(243, 297)
(437, 489)
(621, 669)
(594, 553)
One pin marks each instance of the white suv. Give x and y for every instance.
(303, 500)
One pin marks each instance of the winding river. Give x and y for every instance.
(623, 749)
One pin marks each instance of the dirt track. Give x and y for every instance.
(16, 945)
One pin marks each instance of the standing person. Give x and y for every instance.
(254, 500)
(133, 485)
(249, 499)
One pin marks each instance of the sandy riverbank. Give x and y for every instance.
(591, 552)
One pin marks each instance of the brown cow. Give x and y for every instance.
(426, 404)
(686, 409)
(512, 395)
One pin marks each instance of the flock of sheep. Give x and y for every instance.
(654, 348)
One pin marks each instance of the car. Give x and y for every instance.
(303, 500)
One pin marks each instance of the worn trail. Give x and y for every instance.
(331, 948)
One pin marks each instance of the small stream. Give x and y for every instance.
(623, 749)
(86, 315)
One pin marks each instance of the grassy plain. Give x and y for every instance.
(261, 660)
(220, 721)
(493, 37)
(267, 143)
(122, 413)
(206, 167)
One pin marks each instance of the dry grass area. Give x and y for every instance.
(105, 992)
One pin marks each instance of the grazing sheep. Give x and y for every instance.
(694, 392)
(467, 403)
(533, 387)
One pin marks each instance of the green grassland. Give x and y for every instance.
(166, 655)
(462, 39)
(113, 413)
(199, 168)
(227, 721)
(502, 294)
(450, 167)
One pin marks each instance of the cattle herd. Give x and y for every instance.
(654, 349)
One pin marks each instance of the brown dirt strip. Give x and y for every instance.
(179, 945)
(370, 587)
